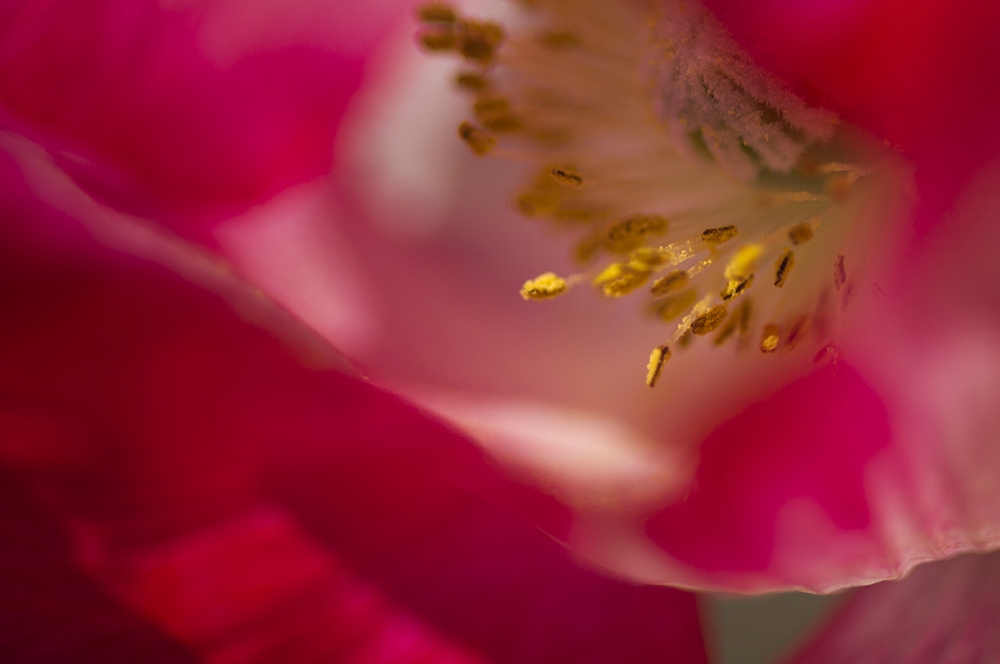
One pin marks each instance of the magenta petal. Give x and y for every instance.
(183, 112)
(807, 446)
(418, 525)
(50, 612)
(947, 611)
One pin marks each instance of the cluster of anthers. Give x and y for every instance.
(685, 171)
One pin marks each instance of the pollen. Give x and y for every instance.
(652, 141)
(709, 321)
(719, 235)
(770, 338)
(472, 81)
(620, 279)
(657, 359)
(437, 13)
(544, 287)
(477, 139)
(671, 284)
(800, 233)
(632, 232)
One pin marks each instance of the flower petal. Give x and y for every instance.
(943, 612)
(49, 611)
(183, 111)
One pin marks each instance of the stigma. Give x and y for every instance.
(684, 176)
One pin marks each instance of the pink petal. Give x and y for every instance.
(781, 488)
(947, 611)
(185, 111)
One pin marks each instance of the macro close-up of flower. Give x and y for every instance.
(499, 331)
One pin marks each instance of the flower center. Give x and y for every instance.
(691, 179)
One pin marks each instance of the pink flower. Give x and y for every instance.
(174, 463)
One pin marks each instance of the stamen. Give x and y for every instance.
(437, 13)
(472, 81)
(676, 305)
(671, 284)
(709, 321)
(477, 139)
(782, 267)
(770, 338)
(633, 116)
(479, 41)
(631, 233)
(620, 279)
(544, 287)
(567, 176)
(657, 359)
(800, 233)
(719, 235)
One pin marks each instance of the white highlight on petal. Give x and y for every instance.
(585, 458)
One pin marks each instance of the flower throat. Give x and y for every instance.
(690, 179)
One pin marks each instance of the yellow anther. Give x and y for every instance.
(625, 284)
(437, 12)
(490, 105)
(710, 320)
(782, 267)
(631, 232)
(620, 279)
(477, 139)
(735, 287)
(839, 273)
(438, 40)
(677, 305)
(770, 338)
(744, 263)
(801, 233)
(587, 249)
(650, 257)
(726, 331)
(719, 235)
(472, 81)
(567, 176)
(495, 113)
(657, 359)
(480, 41)
(671, 284)
(543, 287)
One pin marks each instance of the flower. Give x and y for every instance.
(190, 473)
(803, 478)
